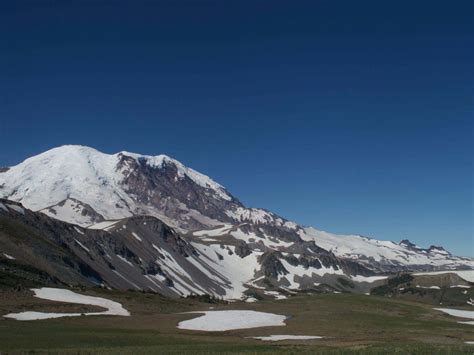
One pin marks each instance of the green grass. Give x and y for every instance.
(349, 324)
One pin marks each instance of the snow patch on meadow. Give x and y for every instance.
(459, 313)
(219, 321)
(62, 295)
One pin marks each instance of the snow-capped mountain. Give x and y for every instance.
(230, 248)
(67, 181)
(81, 185)
(386, 255)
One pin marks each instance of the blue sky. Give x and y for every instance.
(354, 117)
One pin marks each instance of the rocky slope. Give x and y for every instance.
(143, 253)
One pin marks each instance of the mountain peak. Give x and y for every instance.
(158, 158)
(69, 148)
(114, 185)
(159, 161)
(408, 244)
(437, 250)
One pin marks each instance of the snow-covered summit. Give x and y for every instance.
(100, 180)
(60, 173)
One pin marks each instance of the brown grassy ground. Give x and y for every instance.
(348, 323)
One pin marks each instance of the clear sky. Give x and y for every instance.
(351, 116)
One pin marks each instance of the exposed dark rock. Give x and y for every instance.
(164, 188)
(272, 266)
(242, 249)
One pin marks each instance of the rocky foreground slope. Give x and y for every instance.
(143, 253)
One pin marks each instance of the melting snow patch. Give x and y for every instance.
(135, 235)
(78, 230)
(458, 313)
(214, 232)
(219, 321)
(251, 300)
(106, 225)
(287, 337)
(61, 295)
(125, 260)
(16, 208)
(469, 342)
(232, 269)
(8, 256)
(275, 294)
(361, 278)
(429, 287)
(82, 245)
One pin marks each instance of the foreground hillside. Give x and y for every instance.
(346, 322)
(143, 253)
(231, 262)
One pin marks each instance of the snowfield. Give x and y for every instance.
(70, 211)
(458, 313)
(236, 270)
(366, 250)
(287, 337)
(106, 225)
(9, 257)
(62, 295)
(220, 321)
